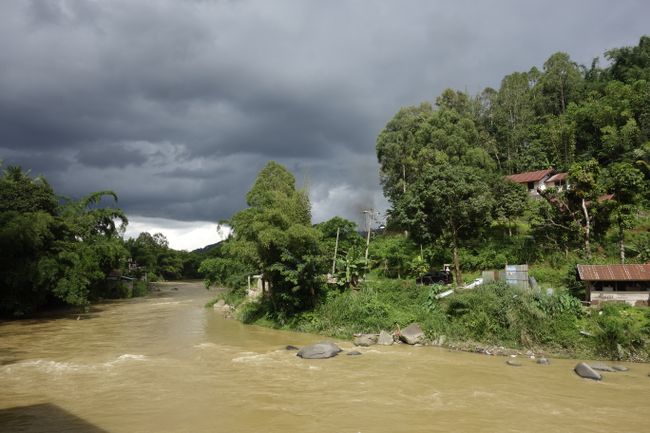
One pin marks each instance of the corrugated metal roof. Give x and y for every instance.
(558, 177)
(614, 272)
(530, 176)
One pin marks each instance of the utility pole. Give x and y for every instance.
(369, 214)
(336, 248)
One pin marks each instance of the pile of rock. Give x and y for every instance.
(412, 335)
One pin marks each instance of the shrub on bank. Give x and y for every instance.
(494, 314)
(621, 331)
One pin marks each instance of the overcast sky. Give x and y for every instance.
(177, 104)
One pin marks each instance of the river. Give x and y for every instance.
(167, 364)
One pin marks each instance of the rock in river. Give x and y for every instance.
(385, 339)
(412, 334)
(620, 368)
(584, 370)
(319, 351)
(354, 353)
(291, 347)
(543, 361)
(600, 366)
(365, 340)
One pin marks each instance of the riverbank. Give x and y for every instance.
(492, 319)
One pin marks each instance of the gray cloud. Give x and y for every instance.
(176, 105)
(111, 155)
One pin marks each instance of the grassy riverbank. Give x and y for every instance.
(490, 315)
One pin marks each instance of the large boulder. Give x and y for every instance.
(385, 338)
(319, 351)
(584, 370)
(412, 334)
(365, 340)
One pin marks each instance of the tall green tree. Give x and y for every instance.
(626, 183)
(28, 209)
(275, 234)
(450, 201)
(398, 149)
(630, 64)
(513, 115)
(560, 83)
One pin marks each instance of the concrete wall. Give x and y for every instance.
(632, 298)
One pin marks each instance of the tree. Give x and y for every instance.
(398, 147)
(626, 183)
(450, 201)
(630, 63)
(348, 237)
(513, 115)
(510, 202)
(88, 247)
(22, 193)
(51, 249)
(152, 252)
(559, 84)
(581, 202)
(275, 234)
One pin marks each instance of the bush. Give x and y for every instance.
(501, 314)
(621, 331)
(140, 288)
(377, 305)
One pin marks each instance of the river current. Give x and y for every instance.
(167, 364)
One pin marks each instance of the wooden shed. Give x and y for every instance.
(619, 283)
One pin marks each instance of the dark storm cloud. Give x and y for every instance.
(111, 155)
(176, 105)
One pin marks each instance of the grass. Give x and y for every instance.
(494, 314)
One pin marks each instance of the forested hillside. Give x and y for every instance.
(443, 165)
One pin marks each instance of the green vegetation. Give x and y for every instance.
(491, 315)
(51, 250)
(56, 252)
(443, 169)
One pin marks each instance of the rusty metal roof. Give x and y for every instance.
(530, 176)
(614, 272)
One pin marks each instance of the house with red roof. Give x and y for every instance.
(535, 180)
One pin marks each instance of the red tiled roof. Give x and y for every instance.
(530, 176)
(614, 272)
(558, 177)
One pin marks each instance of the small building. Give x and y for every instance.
(534, 180)
(557, 181)
(618, 283)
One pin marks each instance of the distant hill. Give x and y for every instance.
(208, 248)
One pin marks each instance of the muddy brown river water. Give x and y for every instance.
(166, 364)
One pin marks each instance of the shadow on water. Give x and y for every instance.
(69, 313)
(10, 356)
(41, 418)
